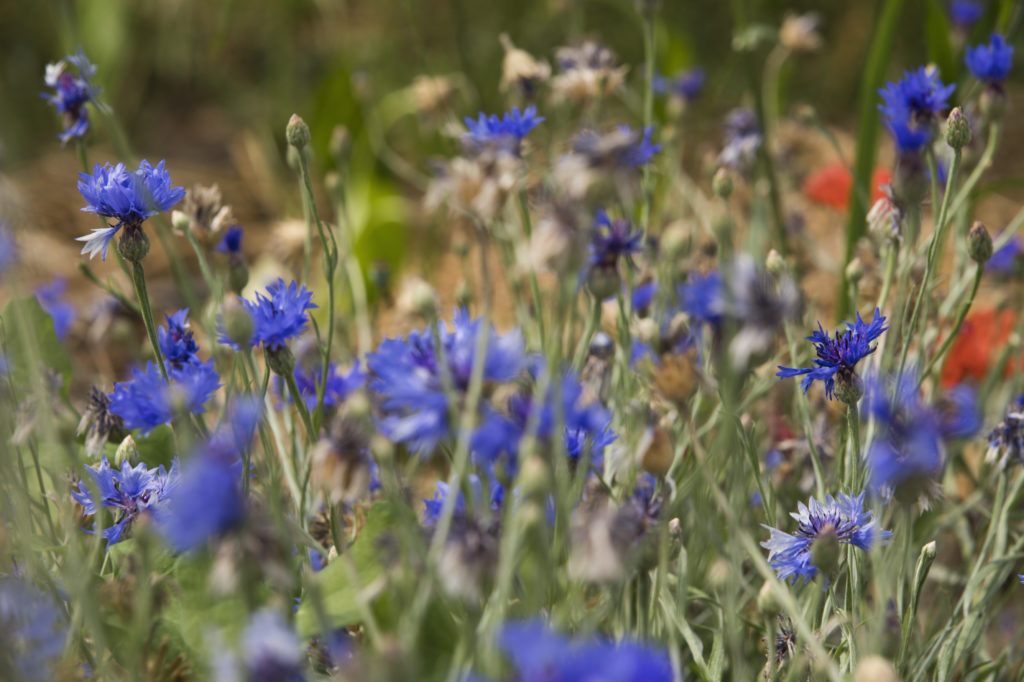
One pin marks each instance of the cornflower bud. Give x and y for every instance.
(127, 451)
(979, 243)
(281, 360)
(297, 132)
(722, 184)
(767, 602)
(237, 323)
(849, 387)
(775, 264)
(133, 244)
(855, 270)
(958, 129)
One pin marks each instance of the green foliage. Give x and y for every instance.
(31, 345)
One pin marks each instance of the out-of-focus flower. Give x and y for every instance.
(231, 243)
(432, 507)
(990, 62)
(339, 384)
(479, 185)
(468, 561)
(33, 631)
(919, 96)
(519, 70)
(980, 340)
(539, 653)
(742, 138)
(838, 357)
(50, 297)
(1006, 440)
(8, 247)
(1006, 261)
(271, 651)
(432, 93)
(98, 423)
(71, 92)
(685, 85)
(761, 304)
(831, 184)
(128, 198)
(205, 214)
(799, 32)
(505, 133)
(278, 316)
(587, 72)
(147, 400)
(839, 520)
(612, 240)
(341, 464)
(407, 375)
(131, 492)
(965, 13)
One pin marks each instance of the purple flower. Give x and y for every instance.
(147, 400)
(505, 133)
(128, 198)
(50, 297)
(790, 555)
(990, 63)
(232, 241)
(432, 507)
(686, 85)
(838, 355)
(71, 92)
(176, 342)
(339, 384)
(278, 316)
(130, 492)
(965, 13)
(612, 240)
(642, 151)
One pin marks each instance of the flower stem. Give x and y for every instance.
(139, 280)
(300, 405)
(961, 314)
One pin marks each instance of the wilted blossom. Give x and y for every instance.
(478, 185)
(519, 70)
(130, 492)
(204, 214)
(98, 422)
(126, 198)
(539, 653)
(836, 520)
(33, 631)
(72, 90)
(586, 72)
(1006, 440)
(742, 137)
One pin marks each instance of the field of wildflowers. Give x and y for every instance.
(628, 378)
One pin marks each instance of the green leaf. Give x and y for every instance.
(938, 38)
(339, 592)
(31, 345)
(158, 447)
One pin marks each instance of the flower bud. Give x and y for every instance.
(722, 184)
(855, 270)
(775, 264)
(603, 281)
(127, 451)
(238, 275)
(979, 243)
(180, 222)
(281, 360)
(237, 323)
(767, 602)
(674, 241)
(849, 387)
(958, 129)
(534, 478)
(382, 449)
(297, 132)
(133, 244)
(825, 549)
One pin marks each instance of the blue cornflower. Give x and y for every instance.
(839, 355)
(990, 63)
(339, 384)
(407, 375)
(613, 239)
(147, 400)
(686, 85)
(277, 317)
(132, 491)
(506, 132)
(909, 133)
(127, 197)
(232, 241)
(33, 631)
(909, 447)
(72, 91)
(1005, 260)
(176, 342)
(8, 247)
(539, 653)
(432, 507)
(965, 13)
(50, 297)
(642, 151)
(920, 94)
(1008, 435)
(844, 515)
(703, 297)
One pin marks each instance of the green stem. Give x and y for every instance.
(139, 280)
(961, 314)
(300, 405)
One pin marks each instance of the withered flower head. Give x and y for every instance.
(206, 214)
(99, 423)
(520, 70)
(587, 72)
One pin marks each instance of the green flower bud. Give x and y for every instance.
(127, 451)
(958, 129)
(775, 264)
(237, 323)
(849, 387)
(722, 184)
(767, 601)
(603, 281)
(297, 132)
(281, 360)
(979, 243)
(133, 244)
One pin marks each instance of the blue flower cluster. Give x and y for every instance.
(130, 492)
(686, 85)
(612, 240)
(838, 355)
(127, 197)
(33, 631)
(990, 63)
(909, 447)
(278, 316)
(911, 105)
(505, 133)
(844, 515)
(339, 384)
(539, 653)
(71, 92)
(408, 375)
(177, 344)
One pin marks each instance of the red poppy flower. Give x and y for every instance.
(981, 340)
(830, 185)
